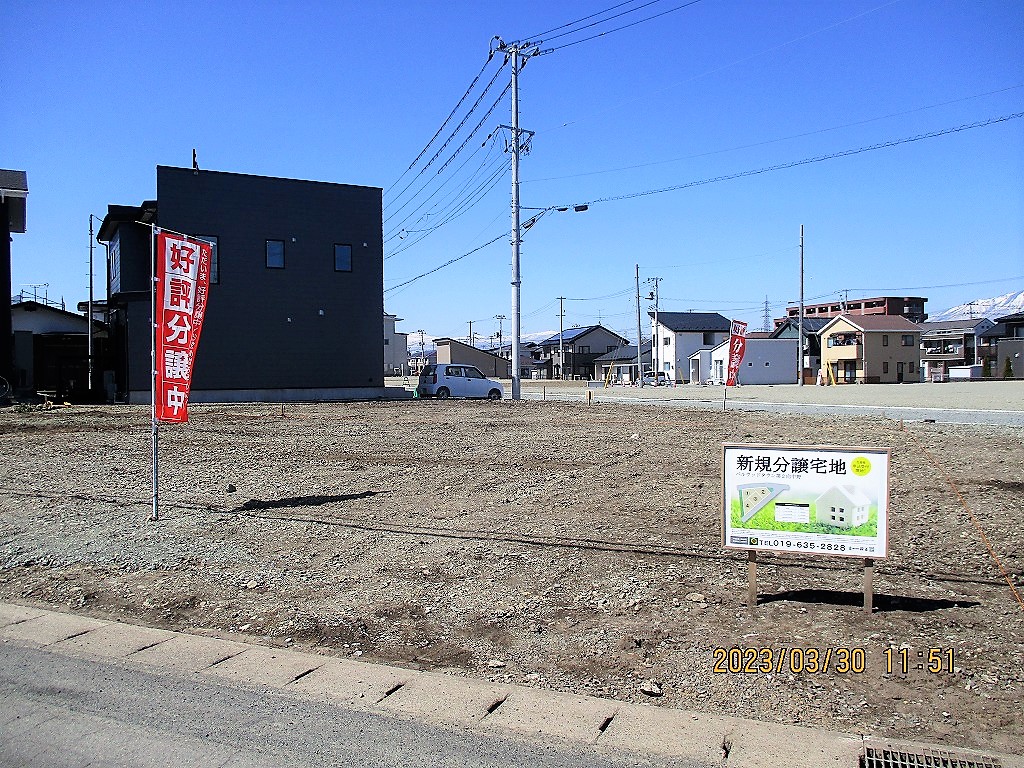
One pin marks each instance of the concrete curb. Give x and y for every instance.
(434, 697)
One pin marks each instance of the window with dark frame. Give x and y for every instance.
(275, 254)
(214, 258)
(342, 257)
(908, 340)
(885, 340)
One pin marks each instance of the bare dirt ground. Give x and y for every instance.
(560, 545)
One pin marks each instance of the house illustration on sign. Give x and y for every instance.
(842, 506)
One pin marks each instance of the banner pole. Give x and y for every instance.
(152, 376)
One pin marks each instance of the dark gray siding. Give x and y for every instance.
(305, 326)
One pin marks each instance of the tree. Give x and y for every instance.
(1008, 368)
(986, 368)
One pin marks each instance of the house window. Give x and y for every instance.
(584, 350)
(709, 337)
(275, 254)
(908, 340)
(885, 340)
(885, 367)
(214, 259)
(913, 368)
(610, 348)
(667, 341)
(342, 258)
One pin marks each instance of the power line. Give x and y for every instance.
(618, 107)
(540, 35)
(452, 136)
(776, 141)
(423, 151)
(618, 29)
(809, 160)
(447, 263)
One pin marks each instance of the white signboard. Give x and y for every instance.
(806, 499)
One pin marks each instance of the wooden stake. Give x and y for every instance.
(752, 579)
(869, 577)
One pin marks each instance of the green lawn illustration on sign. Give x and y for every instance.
(765, 520)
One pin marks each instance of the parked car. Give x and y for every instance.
(446, 380)
(650, 380)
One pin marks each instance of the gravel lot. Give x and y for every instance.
(561, 545)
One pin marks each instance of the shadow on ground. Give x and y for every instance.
(881, 602)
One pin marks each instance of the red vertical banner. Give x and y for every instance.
(182, 273)
(737, 346)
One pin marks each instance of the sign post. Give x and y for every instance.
(180, 286)
(815, 500)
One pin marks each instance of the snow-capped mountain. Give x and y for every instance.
(1007, 304)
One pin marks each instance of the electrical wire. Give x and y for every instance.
(447, 120)
(618, 29)
(775, 141)
(452, 135)
(541, 35)
(447, 263)
(618, 107)
(806, 161)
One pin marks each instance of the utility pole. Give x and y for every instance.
(470, 337)
(90, 303)
(846, 299)
(499, 318)
(518, 53)
(767, 326)
(419, 368)
(655, 357)
(800, 320)
(561, 347)
(639, 333)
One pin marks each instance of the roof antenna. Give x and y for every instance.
(195, 162)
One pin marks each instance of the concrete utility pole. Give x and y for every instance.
(655, 357)
(639, 333)
(499, 318)
(91, 242)
(800, 318)
(470, 337)
(518, 53)
(561, 348)
(419, 368)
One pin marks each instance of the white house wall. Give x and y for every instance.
(765, 361)
(683, 345)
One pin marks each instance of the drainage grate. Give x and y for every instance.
(925, 758)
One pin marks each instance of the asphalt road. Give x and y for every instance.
(65, 712)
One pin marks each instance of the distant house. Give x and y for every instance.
(490, 364)
(572, 353)
(871, 349)
(51, 351)
(679, 334)
(619, 365)
(790, 329)
(396, 348)
(1010, 346)
(842, 506)
(952, 343)
(765, 361)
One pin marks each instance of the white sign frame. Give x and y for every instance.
(851, 484)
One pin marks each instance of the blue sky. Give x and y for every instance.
(96, 95)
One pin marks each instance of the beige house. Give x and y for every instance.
(452, 351)
(870, 349)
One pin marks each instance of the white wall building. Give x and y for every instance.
(396, 348)
(765, 361)
(677, 335)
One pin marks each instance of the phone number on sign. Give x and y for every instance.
(753, 661)
(819, 546)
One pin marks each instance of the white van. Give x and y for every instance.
(446, 380)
